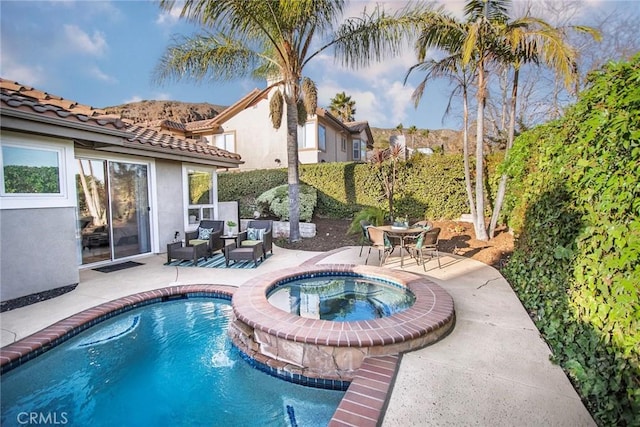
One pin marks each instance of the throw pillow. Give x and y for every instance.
(204, 233)
(255, 233)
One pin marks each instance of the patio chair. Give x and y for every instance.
(426, 242)
(424, 224)
(365, 236)
(209, 232)
(381, 242)
(258, 231)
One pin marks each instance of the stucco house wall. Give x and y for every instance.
(257, 139)
(38, 250)
(41, 243)
(169, 208)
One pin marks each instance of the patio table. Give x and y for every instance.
(401, 233)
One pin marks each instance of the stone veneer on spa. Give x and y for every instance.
(336, 350)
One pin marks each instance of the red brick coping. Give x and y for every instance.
(27, 348)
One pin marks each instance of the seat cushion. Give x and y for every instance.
(255, 233)
(204, 233)
(194, 242)
(250, 242)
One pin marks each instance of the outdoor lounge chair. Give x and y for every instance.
(258, 231)
(381, 242)
(426, 243)
(208, 232)
(365, 236)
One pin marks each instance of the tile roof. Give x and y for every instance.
(16, 97)
(145, 137)
(23, 98)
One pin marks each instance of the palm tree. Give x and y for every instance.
(273, 39)
(486, 37)
(531, 40)
(412, 132)
(448, 34)
(343, 107)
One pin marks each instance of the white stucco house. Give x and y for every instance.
(246, 128)
(80, 189)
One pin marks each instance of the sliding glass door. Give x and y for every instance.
(113, 209)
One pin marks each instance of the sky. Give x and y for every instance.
(103, 53)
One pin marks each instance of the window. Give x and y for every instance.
(201, 194)
(356, 149)
(343, 143)
(322, 138)
(307, 136)
(31, 171)
(226, 141)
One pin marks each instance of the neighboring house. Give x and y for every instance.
(79, 188)
(246, 128)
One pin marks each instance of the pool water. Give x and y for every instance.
(169, 363)
(340, 298)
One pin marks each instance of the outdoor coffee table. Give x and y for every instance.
(195, 252)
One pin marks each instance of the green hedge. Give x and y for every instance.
(429, 186)
(574, 200)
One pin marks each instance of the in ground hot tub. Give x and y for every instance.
(327, 349)
(340, 298)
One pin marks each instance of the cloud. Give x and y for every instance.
(134, 98)
(100, 75)
(95, 45)
(162, 96)
(171, 17)
(21, 73)
(384, 105)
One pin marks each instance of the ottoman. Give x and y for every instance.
(177, 251)
(243, 253)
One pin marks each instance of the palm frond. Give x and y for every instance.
(310, 96)
(276, 109)
(202, 56)
(376, 35)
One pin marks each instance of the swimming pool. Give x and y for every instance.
(167, 363)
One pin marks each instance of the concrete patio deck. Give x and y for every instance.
(493, 369)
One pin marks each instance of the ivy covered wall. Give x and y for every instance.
(574, 198)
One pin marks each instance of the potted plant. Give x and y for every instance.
(400, 222)
(232, 228)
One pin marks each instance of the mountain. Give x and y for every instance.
(145, 111)
(437, 139)
(182, 112)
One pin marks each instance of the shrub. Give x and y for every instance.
(276, 202)
(430, 187)
(374, 215)
(575, 194)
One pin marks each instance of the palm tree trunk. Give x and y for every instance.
(502, 186)
(465, 151)
(293, 177)
(480, 226)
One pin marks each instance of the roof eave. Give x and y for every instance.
(58, 121)
(183, 156)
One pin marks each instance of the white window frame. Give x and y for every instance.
(307, 136)
(225, 141)
(343, 143)
(64, 151)
(190, 226)
(322, 138)
(356, 149)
